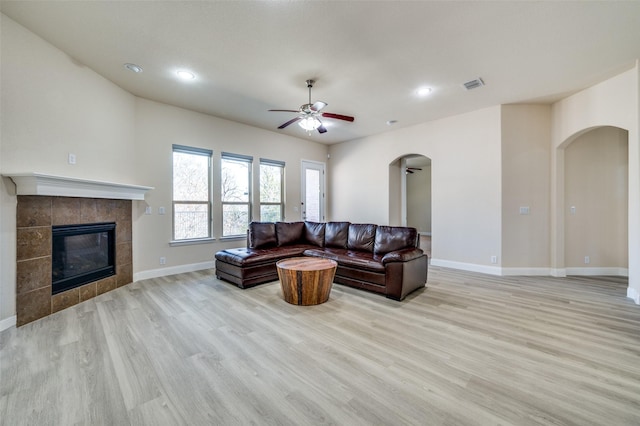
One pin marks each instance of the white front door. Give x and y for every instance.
(312, 207)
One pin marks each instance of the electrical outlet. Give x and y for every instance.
(72, 158)
(161, 210)
(147, 210)
(587, 259)
(494, 259)
(163, 260)
(524, 210)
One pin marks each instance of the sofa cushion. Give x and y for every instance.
(349, 258)
(245, 257)
(336, 234)
(314, 233)
(402, 255)
(361, 237)
(391, 238)
(262, 234)
(289, 232)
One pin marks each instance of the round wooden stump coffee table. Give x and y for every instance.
(306, 280)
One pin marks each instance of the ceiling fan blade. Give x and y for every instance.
(318, 105)
(293, 120)
(337, 116)
(285, 110)
(322, 129)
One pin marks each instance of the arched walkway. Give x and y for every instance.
(590, 231)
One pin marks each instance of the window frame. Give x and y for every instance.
(238, 158)
(281, 165)
(209, 203)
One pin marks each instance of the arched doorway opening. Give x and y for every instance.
(410, 181)
(595, 202)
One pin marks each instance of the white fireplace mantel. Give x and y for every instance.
(59, 186)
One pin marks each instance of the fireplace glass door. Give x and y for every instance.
(82, 254)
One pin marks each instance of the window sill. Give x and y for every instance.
(191, 242)
(234, 237)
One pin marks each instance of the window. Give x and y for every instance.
(271, 190)
(191, 193)
(236, 194)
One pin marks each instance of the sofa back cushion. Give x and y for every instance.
(392, 238)
(313, 233)
(336, 234)
(262, 234)
(289, 232)
(361, 237)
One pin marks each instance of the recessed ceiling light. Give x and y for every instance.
(424, 91)
(186, 75)
(133, 67)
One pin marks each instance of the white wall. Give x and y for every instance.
(526, 132)
(54, 106)
(158, 126)
(466, 183)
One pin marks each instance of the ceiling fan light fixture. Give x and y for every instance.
(308, 115)
(309, 123)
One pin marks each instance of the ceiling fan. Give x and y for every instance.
(309, 114)
(411, 170)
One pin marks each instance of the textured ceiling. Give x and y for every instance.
(368, 57)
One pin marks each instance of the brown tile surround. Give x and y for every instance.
(35, 217)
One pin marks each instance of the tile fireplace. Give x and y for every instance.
(37, 219)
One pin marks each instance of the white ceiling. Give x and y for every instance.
(368, 57)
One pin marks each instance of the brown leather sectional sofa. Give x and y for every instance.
(381, 259)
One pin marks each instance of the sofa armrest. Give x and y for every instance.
(403, 255)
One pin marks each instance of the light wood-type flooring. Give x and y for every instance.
(470, 349)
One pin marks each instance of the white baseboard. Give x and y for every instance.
(633, 294)
(425, 233)
(554, 272)
(527, 271)
(471, 267)
(492, 270)
(172, 270)
(7, 323)
(620, 272)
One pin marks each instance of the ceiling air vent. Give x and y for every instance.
(473, 84)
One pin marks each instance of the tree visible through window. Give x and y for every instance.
(236, 194)
(191, 193)
(271, 190)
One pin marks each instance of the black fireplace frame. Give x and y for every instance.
(64, 284)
